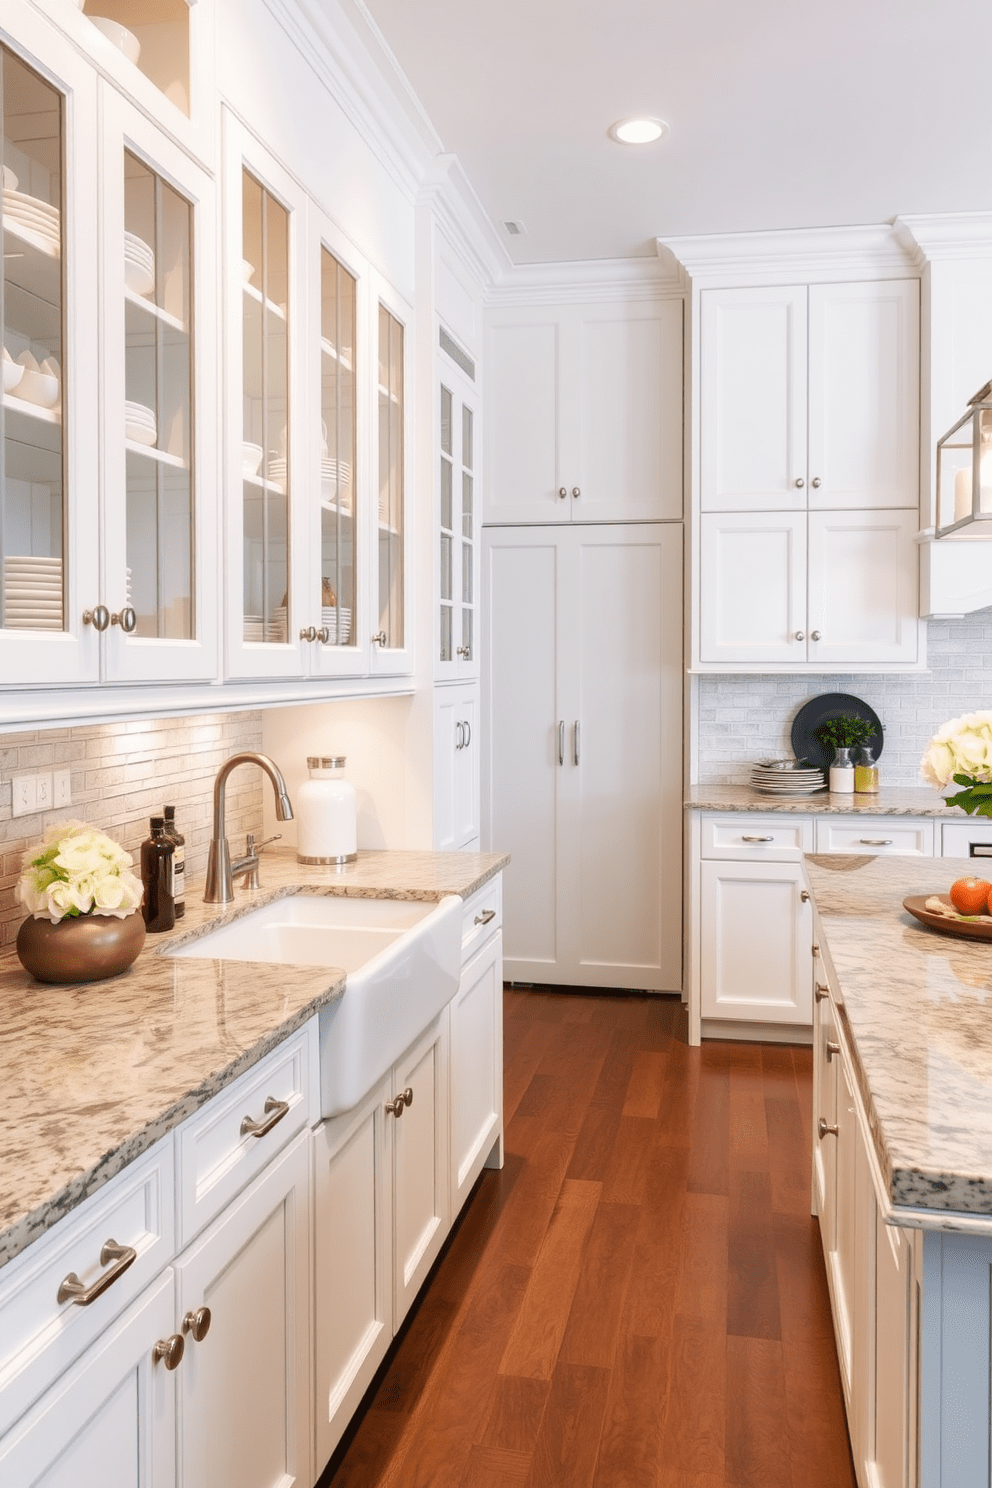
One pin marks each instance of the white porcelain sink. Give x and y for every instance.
(402, 958)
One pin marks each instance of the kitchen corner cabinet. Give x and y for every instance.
(456, 767)
(582, 731)
(316, 437)
(584, 413)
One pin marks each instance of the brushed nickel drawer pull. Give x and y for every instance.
(561, 741)
(832, 1049)
(485, 917)
(197, 1324)
(757, 839)
(876, 841)
(73, 1290)
(820, 991)
(274, 1109)
(170, 1351)
(824, 1129)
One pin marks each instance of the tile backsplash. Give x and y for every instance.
(123, 773)
(743, 718)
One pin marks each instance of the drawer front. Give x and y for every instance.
(482, 916)
(877, 835)
(971, 839)
(218, 1150)
(773, 839)
(39, 1335)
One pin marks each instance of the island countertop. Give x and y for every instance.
(916, 1007)
(93, 1074)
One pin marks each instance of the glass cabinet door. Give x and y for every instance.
(337, 605)
(458, 522)
(33, 515)
(391, 633)
(266, 466)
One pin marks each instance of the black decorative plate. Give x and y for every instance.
(818, 710)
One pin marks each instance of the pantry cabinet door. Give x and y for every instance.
(522, 412)
(753, 399)
(863, 587)
(864, 394)
(753, 588)
(755, 961)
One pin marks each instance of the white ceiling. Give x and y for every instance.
(783, 113)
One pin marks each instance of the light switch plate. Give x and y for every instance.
(62, 787)
(23, 801)
(43, 791)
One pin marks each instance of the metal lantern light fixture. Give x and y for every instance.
(964, 472)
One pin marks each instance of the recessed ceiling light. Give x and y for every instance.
(637, 131)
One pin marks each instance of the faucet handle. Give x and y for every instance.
(250, 847)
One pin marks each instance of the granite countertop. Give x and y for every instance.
(917, 1008)
(893, 800)
(93, 1074)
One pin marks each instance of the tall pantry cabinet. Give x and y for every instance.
(582, 653)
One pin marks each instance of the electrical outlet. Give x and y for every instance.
(23, 795)
(43, 791)
(62, 787)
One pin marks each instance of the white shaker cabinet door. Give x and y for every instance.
(522, 414)
(753, 399)
(863, 586)
(753, 587)
(755, 961)
(419, 1140)
(864, 394)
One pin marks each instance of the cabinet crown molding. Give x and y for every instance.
(586, 281)
(950, 235)
(805, 255)
(448, 193)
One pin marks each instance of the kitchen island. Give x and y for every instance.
(902, 1168)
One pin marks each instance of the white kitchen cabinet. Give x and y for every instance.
(582, 728)
(476, 1052)
(787, 590)
(809, 397)
(419, 1163)
(110, 1421)
(584, 413)
(880, 836)
(755, 962)
(245, 1388)
(456, 654)
(971, 839)
(456, 767)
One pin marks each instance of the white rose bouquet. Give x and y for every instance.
(961, 752)
(77, 871)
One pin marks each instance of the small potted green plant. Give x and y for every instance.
(844, 735)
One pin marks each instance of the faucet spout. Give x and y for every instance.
(219, 887)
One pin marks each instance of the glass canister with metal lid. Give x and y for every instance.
(326, 813)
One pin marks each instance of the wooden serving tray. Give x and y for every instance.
(979, 928)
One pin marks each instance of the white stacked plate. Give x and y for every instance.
(36, 217)
(139, 265)
(786, 778)
(32, 593)
(338, 622)
(139, 423)
(254, 629)
(335, 482)
(275, 629)
(276, 471)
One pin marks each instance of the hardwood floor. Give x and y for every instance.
(638, 1299)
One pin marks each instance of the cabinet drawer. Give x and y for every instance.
(40, 1336)
(216, 1157)
(775, 839)
(482, 916)
(971, 839)
(877, 835)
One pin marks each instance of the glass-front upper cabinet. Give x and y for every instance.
(458, 552)
(159, 578)
(391, 646)
(48, 546)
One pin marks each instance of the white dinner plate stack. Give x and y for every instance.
(335, 482)
(786, 778)
(32, 593)
(139, 265)
(254, 628)
(275, 629)
(338, 622)
(139, 423)
(28, 214)
(276, 471)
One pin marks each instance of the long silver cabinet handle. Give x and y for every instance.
(876, 842)
(757, 839)
(460, 736)
(485, 917)
(274, 1109)
(468, 733)
(73, 1290)
(575, 741)
(561, 741)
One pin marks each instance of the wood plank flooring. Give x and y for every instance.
(638, 1299)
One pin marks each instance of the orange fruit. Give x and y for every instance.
(971, 895)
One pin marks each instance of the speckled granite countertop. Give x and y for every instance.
(896, 800)
(917, 1008)
(92, 1075)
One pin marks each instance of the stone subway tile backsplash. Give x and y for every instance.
(744, 718)
(123, 773)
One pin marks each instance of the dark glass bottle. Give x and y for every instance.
(158, 905)
(178, 861)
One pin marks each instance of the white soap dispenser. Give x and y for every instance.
(326, 814)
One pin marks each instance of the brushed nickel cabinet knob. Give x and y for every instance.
(170, 1351)
(197, 1324)
(799, 482)
(824, 1129)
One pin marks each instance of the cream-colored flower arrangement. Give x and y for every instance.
(77, 871)
(961, 752)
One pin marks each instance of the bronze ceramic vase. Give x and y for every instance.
(86, 948)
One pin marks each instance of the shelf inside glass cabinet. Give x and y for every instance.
(159, 29)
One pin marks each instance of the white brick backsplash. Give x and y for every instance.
(911, 705)
(122, 773)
